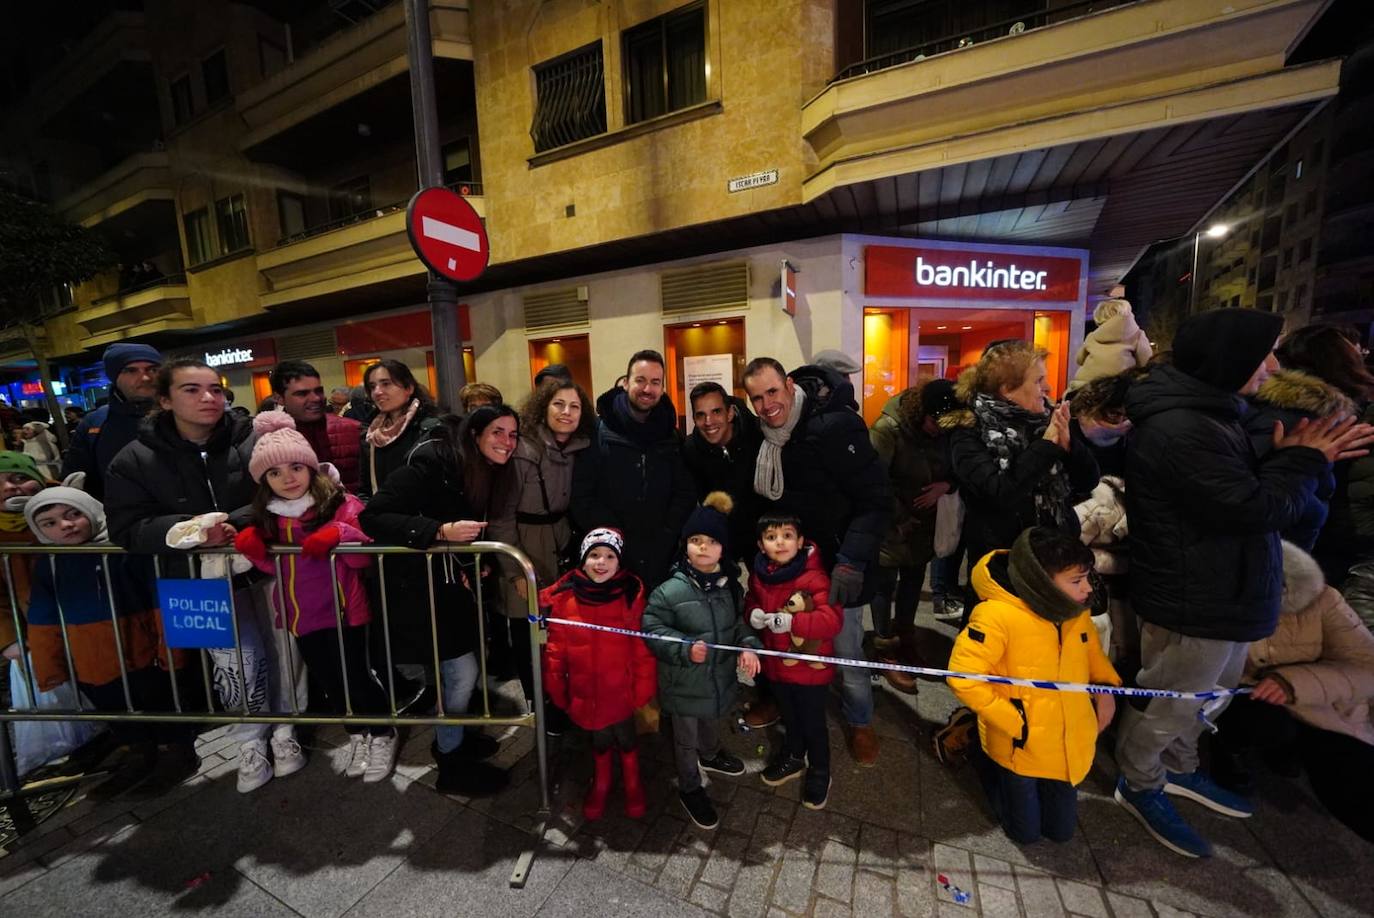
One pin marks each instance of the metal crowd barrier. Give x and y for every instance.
(12, 793)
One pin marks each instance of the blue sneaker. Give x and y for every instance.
(1157, 814)
(1201, 789)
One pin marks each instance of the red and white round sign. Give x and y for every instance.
(447, 234)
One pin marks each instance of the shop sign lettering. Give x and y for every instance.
(963, 274)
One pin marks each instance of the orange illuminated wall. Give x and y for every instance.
(1052, 333)
(701, 339)
(887, 347)
(262, 386)
(573, 351)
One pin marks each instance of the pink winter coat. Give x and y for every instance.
(304, 583)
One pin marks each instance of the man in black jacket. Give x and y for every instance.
(632, 477)
(132, 371)
(1206, 571)
(720, 453)
(817, 463)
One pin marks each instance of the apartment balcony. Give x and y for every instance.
(361, 251)
(140, 180)
(1229, 283)
(365, 56)
(162, 305)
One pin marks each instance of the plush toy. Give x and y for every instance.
(797, 603)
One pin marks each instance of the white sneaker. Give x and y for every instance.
(357, 755)
(287, 757)
(254, 769)
(381, 757)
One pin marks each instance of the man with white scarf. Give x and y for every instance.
(817, 463)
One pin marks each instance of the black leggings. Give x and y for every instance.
(618, 736)
(320, 651)
(803, 713)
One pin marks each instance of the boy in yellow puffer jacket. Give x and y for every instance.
(1033, 624)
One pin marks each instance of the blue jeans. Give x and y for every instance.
(1031, 808)
(944, 574)
(458, 677)
(856, 688)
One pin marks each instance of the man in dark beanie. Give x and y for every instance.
(1206, 573)
(132, 371)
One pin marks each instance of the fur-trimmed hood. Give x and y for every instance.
(1303, 581)
(1299, 391)
(964, 392)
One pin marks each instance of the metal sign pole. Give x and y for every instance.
(443, 294)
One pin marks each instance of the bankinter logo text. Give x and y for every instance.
(974, 275)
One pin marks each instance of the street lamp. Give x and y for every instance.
(1215, 231)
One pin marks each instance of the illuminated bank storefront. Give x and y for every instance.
(930, 308)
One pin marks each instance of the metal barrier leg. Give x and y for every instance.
(525, 861)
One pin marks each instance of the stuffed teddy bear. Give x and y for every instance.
(797, 603)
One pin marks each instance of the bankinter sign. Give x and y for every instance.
(960, 274)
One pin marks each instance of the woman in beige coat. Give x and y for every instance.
(556, 422)
(1313, 687)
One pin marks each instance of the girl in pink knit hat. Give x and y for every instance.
(300, 502)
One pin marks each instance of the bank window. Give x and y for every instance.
(182, 103)
(457, 158)
(665, 64)
(351, 197)
(290, 213)
(570, 98)
(197, 224)
(215, 71)
(232, 217)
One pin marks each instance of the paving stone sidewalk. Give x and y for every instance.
(317, 844)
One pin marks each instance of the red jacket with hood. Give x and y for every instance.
(770, 586)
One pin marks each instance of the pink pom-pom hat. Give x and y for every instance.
(279, 443)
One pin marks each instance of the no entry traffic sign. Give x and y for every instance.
(447, 234)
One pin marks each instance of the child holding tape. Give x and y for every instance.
(1033, 623)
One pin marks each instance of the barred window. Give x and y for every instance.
(570, 98)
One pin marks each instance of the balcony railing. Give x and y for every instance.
(466, 189)
(1001, 29)
(164, 281)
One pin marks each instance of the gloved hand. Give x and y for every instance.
(319, 543)
(249, 543)
(846, 585)
(758, 619)
(780, 622)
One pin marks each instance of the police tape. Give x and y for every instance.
(1209, 695)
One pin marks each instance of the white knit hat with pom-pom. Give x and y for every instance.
(279, 443)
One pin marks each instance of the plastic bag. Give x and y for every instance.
(37, 742)
(949, 524)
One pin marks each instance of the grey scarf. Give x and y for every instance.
(768, 472)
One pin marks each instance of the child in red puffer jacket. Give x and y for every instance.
(789, 606)
(600, 678)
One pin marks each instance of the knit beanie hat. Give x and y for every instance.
(605, 537)
(1224, 347)
(70, 497)
(709, 519)
(279, 443)
(937, 398)
(1035, 586)
(118, 356)
(21, 463)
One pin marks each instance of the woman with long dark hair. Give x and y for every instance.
(1329, 361)
(456, 487)
(405, 416)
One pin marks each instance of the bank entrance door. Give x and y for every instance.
(905, 344)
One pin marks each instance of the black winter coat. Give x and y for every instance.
(161, 479)
(99, 438)
(1206, 511)
(1000, 504)
(408, 510)
(1290, 396)
(633, 478)
(833, 479)
(378, 463)
(730, 469)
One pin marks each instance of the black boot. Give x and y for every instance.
(466, 777)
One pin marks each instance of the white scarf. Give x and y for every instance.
(291, 509)
(768, 471)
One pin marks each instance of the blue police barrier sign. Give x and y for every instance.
(196, 613)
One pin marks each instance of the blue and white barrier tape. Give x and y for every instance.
(1046, 684)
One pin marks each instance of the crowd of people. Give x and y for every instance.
(1192, 520)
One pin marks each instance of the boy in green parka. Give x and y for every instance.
(701, 602)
